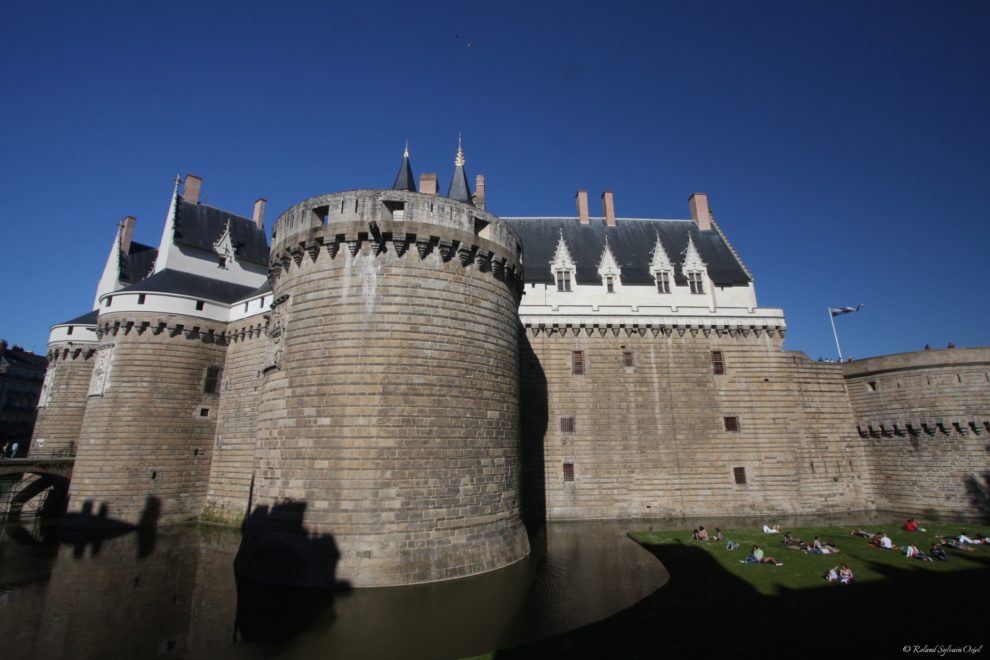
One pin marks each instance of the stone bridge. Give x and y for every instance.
(59, 467)
(51, 472)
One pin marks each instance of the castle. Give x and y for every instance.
(411, 376)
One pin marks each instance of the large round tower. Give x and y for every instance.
(388, 432)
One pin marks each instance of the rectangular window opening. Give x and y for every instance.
(695, 282)
(577, 363)
(108, 301)
(141, 298)
(740, 475)
(663, 282)
(204, 412)
(211, 381)
(69, 331)
(718, 363)
(731, 424)
(627, 360)
(610, 284)
(567, 425)
(563, 280)
(872, 386)
(199, 305)
(322, 214)
(568, 471)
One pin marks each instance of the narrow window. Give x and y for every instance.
(872, 386)
(199, 305)
(563, 280)
(740, 474)
(204, 412)
(718, 363)
(246, 306)
(69, 331)
(577, 363)
(108, 301)
(694, 280)
(211, 381)
(610, 284)
(141, 298)
(731, 424)
(627, 360)
(663, 282)
(568, 471)
(567, 425)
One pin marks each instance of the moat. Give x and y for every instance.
(173, 592)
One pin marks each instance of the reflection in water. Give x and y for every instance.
(184, 599)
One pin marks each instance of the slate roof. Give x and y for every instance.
(405, 180)
(460, 189)
(187, 284)
(137, 263)
(89, 318)
(199, 226)
(631, 242)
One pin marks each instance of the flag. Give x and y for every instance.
(838, 311)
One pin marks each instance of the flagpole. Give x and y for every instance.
(831, 317)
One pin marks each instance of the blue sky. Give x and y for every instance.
(845, 146)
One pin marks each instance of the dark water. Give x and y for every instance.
(173, 593)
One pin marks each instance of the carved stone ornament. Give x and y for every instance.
(102, 365)
(276, 335)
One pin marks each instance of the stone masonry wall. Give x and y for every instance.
(650, 440)
(924, 419)
(232, 467)
(147, 439)
(60, 419)
(389, 422)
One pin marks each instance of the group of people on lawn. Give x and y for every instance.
(843, 574)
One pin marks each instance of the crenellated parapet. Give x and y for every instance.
(658, 330)
(111, 326)
(400, 222)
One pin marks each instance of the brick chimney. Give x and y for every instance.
(608, 207)
(428, 184)
(190, 189)
(259, 213)
(479, 191)
(126, 233)
(582, 206)
(698, 203)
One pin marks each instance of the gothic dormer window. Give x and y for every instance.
(608, 269)
(562, 266)
(694, 268)
(224, 247)
(662, 269)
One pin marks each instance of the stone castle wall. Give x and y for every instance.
(924, 419)
(59, 420)
(148, 430)
(232, 466)
(650, 439)
(389, 422)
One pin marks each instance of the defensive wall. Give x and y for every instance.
(924, 419)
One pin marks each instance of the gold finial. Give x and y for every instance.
(405, 152)
(460, 152)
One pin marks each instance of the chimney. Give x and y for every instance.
(428, 184)
(608, 207)
(126, 232)
(582, 206)
(479, 191)
(698, 203)
(259, 213)
(190, 190)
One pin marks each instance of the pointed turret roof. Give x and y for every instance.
(404, 180)
(460, 190)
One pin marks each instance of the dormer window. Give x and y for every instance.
(222, 262)
(562, 266)
(608, 269)
(695, 282)
(661, 267)
(224, 247)
(694, 268)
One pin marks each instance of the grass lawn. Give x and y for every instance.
(715, 606)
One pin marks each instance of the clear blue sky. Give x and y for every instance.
(845, 146)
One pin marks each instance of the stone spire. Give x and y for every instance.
(405, 180)
(460, 190)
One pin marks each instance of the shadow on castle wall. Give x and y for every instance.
(87, 528)
(979, 495)
(533, 415)
(706, 611)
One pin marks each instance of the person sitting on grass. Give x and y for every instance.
(912, 526)
(846, 575)
(702, 534)
(757, 557)
(911, 552)
(885, 542)
(719, 536)
(832, 575)
(938, 552)
(791, 541)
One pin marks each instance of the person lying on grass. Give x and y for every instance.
(954, 543)
(791, 541)
(938, 552)
(911, 552)
(757, 557)
(882, 541)
(816, 547)
(859, 532)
